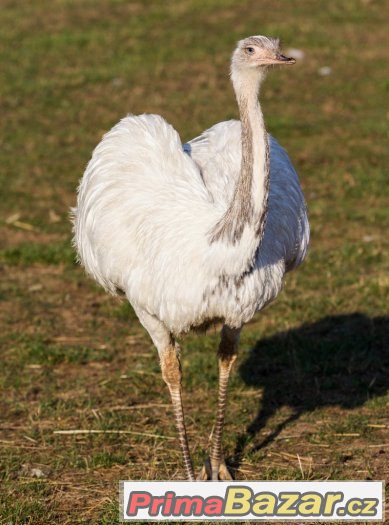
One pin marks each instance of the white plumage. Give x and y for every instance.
(147, 206)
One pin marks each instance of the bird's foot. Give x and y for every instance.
(208, 474)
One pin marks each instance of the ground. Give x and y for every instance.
(308, 399)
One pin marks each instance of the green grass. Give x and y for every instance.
(31, 508)
(27, 253)
(312, 374)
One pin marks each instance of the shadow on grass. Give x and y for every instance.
(340, 360)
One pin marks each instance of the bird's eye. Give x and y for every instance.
(250, 50)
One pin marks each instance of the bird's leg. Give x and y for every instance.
(215, 467)
(171, 373)
(168, 351)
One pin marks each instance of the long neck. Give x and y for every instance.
(248, 207)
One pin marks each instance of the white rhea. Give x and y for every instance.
(195, 233)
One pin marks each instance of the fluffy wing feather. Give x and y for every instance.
(142, 222)
(145, 207)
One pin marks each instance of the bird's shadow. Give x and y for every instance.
(340, 360)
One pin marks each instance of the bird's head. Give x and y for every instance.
(257, 53)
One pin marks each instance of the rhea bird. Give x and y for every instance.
(195, 233)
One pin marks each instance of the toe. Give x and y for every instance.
(206, 471)
(203, 476)
(224, 473)
(207, 474)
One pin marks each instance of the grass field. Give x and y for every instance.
(308, 399)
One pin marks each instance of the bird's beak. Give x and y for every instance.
(282, 59)
(277, 59)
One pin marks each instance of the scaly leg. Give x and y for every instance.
(168, 352)
(171, 373)
(215, 467)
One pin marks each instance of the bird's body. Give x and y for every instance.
(146, 205)
(198, 232)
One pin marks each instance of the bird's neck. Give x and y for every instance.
(248, 207)
(253, 184)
